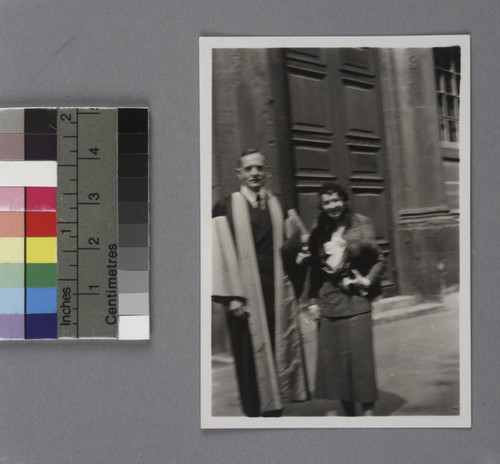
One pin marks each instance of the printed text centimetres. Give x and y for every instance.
(112, 291)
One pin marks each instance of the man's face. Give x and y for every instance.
(253, 171)
(333, 205)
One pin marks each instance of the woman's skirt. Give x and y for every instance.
(346, 369)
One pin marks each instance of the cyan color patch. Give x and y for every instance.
(11, 300)
(41, 300)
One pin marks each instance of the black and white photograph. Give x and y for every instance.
(335, 232)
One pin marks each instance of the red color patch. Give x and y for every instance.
(41, 224)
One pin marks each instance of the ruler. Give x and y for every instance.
(87, 208)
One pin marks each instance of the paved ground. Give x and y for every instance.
(417, 369)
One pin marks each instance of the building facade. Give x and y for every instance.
(383, 122)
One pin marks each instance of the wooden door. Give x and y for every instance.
(336, 132)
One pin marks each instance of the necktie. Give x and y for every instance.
(261, 204)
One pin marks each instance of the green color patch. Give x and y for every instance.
(41, 275)
(11, 275)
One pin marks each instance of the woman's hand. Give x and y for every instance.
(359, 282)
(303, 256)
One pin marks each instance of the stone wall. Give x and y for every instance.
(244, 115)
(426, 231)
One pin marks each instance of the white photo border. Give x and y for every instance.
(208, 421)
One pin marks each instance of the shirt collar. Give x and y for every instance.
(251, 196)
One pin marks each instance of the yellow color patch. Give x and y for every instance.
(41, 249)
(11, 250)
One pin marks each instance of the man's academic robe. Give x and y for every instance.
(268, 344)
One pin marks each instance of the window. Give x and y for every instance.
(447, 74)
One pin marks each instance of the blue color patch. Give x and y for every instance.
(41, 300)
(40, 326)
(11, 300)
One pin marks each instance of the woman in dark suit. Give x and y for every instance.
(346, 270)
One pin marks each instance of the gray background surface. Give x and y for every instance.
(97, 402)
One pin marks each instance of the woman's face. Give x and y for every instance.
(332, 204)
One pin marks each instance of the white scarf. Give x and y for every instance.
(335, 248)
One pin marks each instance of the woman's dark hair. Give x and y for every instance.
(333, 187)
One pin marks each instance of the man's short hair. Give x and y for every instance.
(249, 151)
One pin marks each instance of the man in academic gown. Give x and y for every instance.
(248, 230)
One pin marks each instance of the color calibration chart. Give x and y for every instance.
(74, 223)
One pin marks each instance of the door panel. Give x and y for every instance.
(312, 123)
(336, 131)
(362, 137)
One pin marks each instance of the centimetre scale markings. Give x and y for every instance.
(87, 256)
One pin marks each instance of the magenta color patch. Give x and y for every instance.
(11, 147)
(12, 326)
(41, 199)
(12, 198)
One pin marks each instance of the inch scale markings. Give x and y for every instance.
(67, 253)
(87, 224)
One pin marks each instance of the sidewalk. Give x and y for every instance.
(417, 364)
